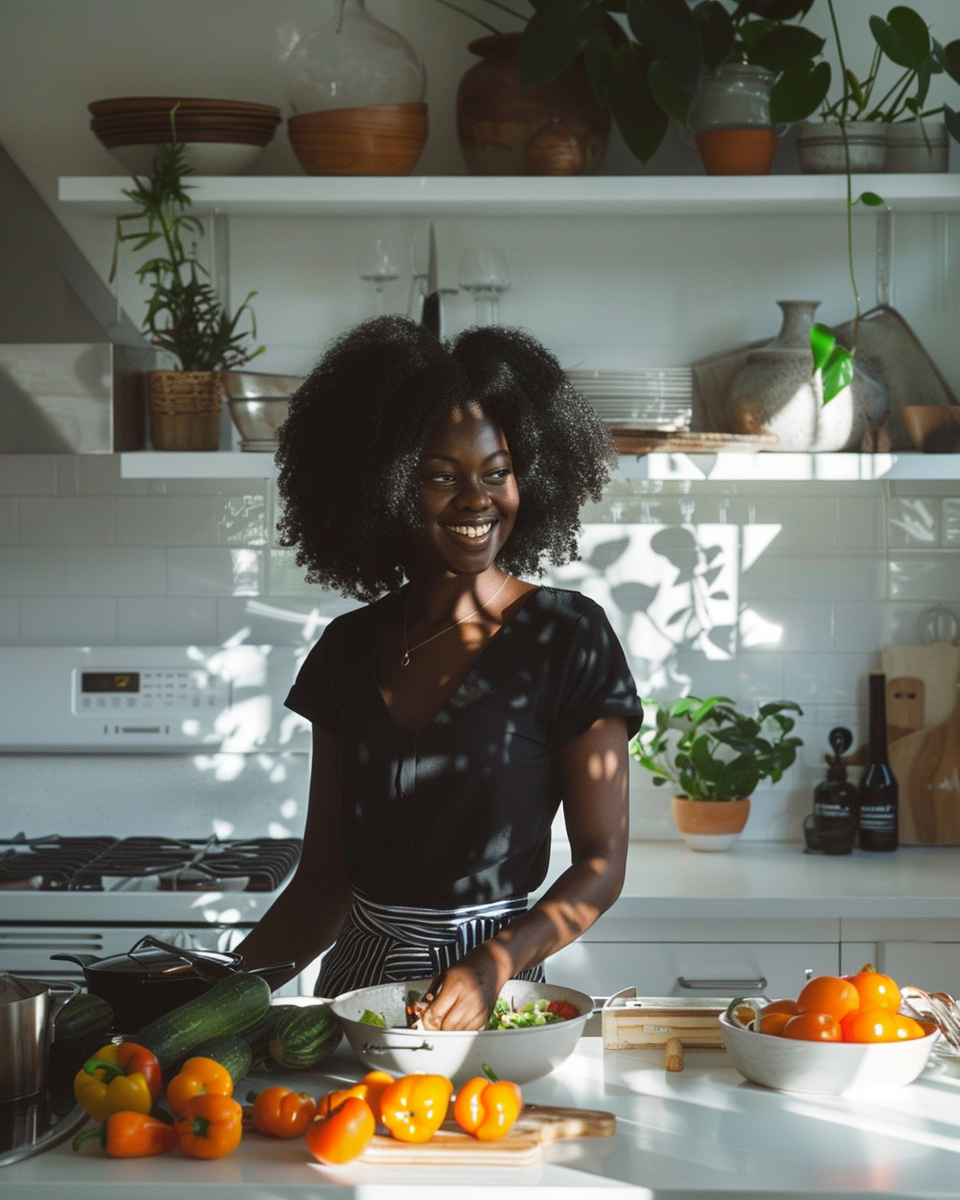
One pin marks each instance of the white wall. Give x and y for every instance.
(88, 558)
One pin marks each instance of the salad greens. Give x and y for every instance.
(372, 1018)
(533, 1013)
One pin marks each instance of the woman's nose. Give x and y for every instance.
(473, 495)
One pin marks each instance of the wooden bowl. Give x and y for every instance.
(383, 139)
(933, 428)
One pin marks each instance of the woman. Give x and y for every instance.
(455, 712)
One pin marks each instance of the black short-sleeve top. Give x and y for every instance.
(460, 812)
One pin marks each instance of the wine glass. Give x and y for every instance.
(485, 274)
(378, 265)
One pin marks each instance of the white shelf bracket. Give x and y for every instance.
(885, 250)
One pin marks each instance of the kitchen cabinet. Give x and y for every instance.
(922, 952)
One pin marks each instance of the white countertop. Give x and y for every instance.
(701, 1133)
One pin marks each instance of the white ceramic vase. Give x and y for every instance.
(821, 151)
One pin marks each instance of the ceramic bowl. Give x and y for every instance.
(205, 158)
(383, 139)
(933, 428)
(516, 1054)
(824, 1068)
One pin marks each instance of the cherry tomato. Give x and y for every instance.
(875, 990)
(813, 1027)
(344, 1134)
(774, 1022)
(781, 1006)
(829, 994)
(880, 1025)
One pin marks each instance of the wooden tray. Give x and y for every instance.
(632, 1022)
(647, 441)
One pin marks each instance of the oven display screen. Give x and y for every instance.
(109, 681)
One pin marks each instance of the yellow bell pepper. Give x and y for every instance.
(118, 1078)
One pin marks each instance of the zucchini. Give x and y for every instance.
(231, 1051)
(234, 1004)
(80, 1028)
(303, 1036)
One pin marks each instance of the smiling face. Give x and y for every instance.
(468, 492)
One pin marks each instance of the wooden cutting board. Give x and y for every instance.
(450, 1146)
(927, 769)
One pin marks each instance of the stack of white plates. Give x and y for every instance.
(643, 398)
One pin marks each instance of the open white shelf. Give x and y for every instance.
(509, 195)
(717, 468)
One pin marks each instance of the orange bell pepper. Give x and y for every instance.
(118, 1078)
(131, 1135)
(487, 1109)
(344, 1134)
(209, 1126)
(413, 1107)
(370, 1088)
(198, 1077)
(280, 1112)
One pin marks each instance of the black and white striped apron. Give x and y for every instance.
(384, 943)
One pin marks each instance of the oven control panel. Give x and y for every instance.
(151, 690)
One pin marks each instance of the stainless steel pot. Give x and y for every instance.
(154, 977)
(27, 1011)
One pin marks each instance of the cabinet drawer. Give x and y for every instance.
(933, 966)
(707, 968)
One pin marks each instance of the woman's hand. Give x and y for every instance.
(464, 994)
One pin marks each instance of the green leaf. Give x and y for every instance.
(870, 199)
(904, 37)
(785, 46)
(670, 32)
(952, 122)
(641, 121)
(774, 10)
(704, 762)
(838, 373)
(554, 36)
(949, 58)
(716, 32)
(673, 100)
(598, 55)
(822, 342)
(798, 92)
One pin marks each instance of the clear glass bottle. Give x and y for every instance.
(353, 61)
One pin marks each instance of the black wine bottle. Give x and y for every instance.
(878, 788)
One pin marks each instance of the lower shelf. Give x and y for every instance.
(720, 467)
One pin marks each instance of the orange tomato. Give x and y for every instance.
(773, 1022)
(880, 1025)
(813, 1027)
(781, 1006)
(829, 994)
(875, 990)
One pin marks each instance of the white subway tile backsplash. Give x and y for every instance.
(67, 521)
(826, 678)
(165, 521)
(860, 625)
(241, 520)
(285, 577)
(913, 522)
(860, 523)
(214, 571)
(950, 523)
(68, 621)
(115, 571)
(763, 579)
(218, 487)
(919, 576)
(288, 621)
(8, 520)
(167, 621)
(748, 679)
(786, 626)
(800, 523)
(31, 571)
(28, 475)
(9, 621)
(834, 577)
(902, 622)
(99, 475)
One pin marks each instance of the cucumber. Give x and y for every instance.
(304, 1036)
(234, 1004)
(231, 1051)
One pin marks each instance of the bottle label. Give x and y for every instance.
(832, 810)
(880, 816)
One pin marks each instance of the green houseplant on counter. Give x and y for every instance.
(185, 317)
(715, 756)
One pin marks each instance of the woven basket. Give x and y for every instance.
(185, 410)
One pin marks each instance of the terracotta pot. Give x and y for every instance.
(731, 120)
(555, 128)
(382, 139)
(709, 824)
(737, 151)
(184, 409)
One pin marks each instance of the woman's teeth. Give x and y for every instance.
(472, 531)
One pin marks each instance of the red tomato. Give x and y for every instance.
(813, 1027)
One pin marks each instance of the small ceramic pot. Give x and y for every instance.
(709, 824)
(820, 147)
(910, 152)
(731, 120)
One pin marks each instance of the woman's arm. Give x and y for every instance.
(308, 914)
(593, 776)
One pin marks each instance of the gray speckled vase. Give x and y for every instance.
(776, 392)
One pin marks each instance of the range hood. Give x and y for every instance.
(72, 363)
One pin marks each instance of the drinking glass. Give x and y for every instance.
(378, 265)
(485, 274)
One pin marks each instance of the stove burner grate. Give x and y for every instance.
(80, 864)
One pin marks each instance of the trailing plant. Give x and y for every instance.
(651, 70)
(184, 315)
(710, 751)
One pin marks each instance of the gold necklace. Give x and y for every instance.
(408, 650)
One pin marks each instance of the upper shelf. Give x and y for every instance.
(509, 195)
(722, 467)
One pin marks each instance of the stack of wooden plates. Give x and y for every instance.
(222, 136)
(644, 398)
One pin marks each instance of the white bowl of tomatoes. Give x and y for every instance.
(841, 1034)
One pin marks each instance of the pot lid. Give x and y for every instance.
(154, 962)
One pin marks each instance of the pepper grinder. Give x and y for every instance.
(832, 825)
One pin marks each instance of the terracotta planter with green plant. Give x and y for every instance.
(715, 755)
(185, 317)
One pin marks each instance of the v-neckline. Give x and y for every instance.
(372, 643)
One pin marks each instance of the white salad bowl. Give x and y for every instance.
(516, 1054)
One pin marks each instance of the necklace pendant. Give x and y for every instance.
(405, 661)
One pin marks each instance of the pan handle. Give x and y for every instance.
(82, 960)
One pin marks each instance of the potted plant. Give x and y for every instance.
(184, 316)
(715, 756)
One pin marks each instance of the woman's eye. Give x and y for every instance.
(500, 474)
